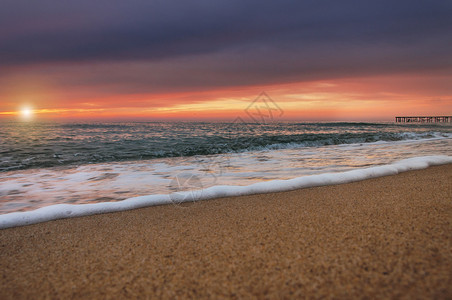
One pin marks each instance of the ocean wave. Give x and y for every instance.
(44, 146)
(60, 211)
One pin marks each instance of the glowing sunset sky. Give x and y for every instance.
(206, 60)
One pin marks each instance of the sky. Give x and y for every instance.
(208, 60)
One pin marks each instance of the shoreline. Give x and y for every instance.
(64, 210)
(384, 237)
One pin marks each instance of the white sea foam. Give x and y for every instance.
(60, 211)
(26, 190)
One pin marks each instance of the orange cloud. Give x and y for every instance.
(357, 99)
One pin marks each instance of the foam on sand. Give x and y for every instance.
(60, 211)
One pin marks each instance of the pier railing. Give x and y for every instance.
(437, 119)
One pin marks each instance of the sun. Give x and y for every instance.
(26, 113)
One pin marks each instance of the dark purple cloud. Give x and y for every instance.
(220, 43)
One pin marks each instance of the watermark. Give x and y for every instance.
(264, 110)
(188, 187)
(185, 188)
(212, 167)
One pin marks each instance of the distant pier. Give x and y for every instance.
(437, 119)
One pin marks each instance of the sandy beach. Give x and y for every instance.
(388, 237)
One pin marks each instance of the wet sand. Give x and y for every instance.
(387, 237)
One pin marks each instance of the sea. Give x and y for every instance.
(47, 164)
